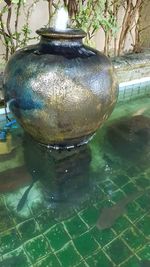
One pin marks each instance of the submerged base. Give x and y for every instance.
(70, 144)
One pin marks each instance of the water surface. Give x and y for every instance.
(50, 201)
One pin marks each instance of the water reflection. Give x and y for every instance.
(57, 180)
(68, 180)
(63, 177)
(128, 140)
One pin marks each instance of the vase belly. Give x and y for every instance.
(60, 99)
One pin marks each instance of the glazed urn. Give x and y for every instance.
(60, 90)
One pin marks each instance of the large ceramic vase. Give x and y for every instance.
(60, 90)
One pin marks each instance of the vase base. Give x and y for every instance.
(69, 146)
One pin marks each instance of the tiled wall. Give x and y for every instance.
(134, 89)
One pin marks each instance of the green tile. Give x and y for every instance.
(82, 264)
(134, 238)
(45, 221)
(85, 244)
(132, 262)
(117, 196)
(104, 203)
(144, 201)
(144, 225)
(99, 259)
(118, 251)
(129, 188)
(12, 200)
(17, 258)
(37, 206)
(6, 221)
(19, 218)
(103, 237)
(75, 226)
(145, 263)
(28, 230)
(68, 255)
(143, 182)
(133, 171)
(90, 215)
(57, 236)
(37, 248)
(147, 173)
(133, 211)
(121, 224)
(107, 203)
(109, 186)
(144, 253)
(9, 241)
(121, 180)
(49, 261)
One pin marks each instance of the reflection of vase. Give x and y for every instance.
(63, 177)
(60, 90)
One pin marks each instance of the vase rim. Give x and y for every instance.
(69, 33)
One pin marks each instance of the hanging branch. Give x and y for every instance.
(16, 22)
(137, 48)
(137, 44)
(50, 2)
(105, 30)
(54, 8)
(127, 23)
(9, 4)
(72, 7)
(90, 31)
(26, 30)
(124, 26)
(116, 6)
(5, 36)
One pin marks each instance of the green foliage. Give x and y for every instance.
(92, 15)
(11, 34)
(18, 1)
(89, 15)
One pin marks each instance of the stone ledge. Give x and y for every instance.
(132, 66)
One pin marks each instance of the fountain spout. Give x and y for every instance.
(61, 20)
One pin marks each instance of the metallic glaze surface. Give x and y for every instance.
(60, 91)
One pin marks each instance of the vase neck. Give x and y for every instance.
(65, 43)
(66, 38)
(48, 42)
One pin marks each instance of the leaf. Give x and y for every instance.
(17, 1)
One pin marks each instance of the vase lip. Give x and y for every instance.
(69, 33)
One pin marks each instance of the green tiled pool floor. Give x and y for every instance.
(56, 225)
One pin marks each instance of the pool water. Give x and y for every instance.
(78, 207)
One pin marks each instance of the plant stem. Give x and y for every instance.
(105, 30)
(128, 20)
(16, 22)
(115, 12)
(49, 11)
(9, 29)
(5, 36)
